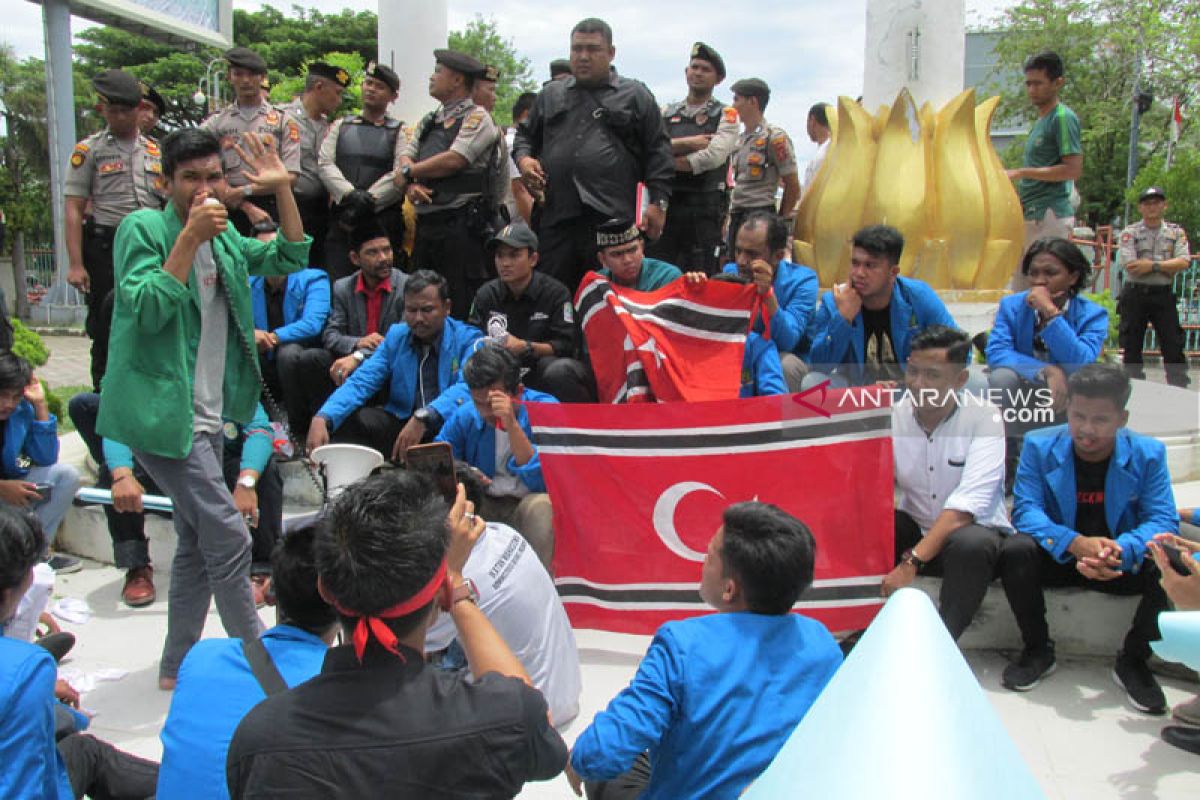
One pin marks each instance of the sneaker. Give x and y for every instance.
(1028, 671)
(1141, 689)
(139, 587)
(1189, 712)
(1184, 738)
(63, 564)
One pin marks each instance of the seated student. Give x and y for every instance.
(716, 696)
(863, 329)
(197, 731)
(289, 315)
(949, 464)
(417, 361)
(377, 721)
(518, 597)
(493, 434)
(621, 253)
(1089, 496)
(1043, 334)
(29, 453)
(32, 765)
(762, 371)
(528, 312)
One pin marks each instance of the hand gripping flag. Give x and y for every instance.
(681, 342)
(638, 491)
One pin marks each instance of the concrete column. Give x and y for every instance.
(409, 32)
(60, 122)
(919, 44)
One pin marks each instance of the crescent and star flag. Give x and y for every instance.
(639, 489)
(681, 342)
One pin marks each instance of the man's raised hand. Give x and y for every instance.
(262, 164)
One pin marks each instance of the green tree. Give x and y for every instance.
(292, 86)
(482, 40)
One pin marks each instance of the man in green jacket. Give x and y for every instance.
(181, 360)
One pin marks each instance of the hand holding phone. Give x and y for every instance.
(437, 460)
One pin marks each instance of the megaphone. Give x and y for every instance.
(344, 464)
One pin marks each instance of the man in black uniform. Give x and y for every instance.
(588, 141)
(704, 134)
(355, 163)
(445, 171)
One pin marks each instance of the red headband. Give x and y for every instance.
(373, 623)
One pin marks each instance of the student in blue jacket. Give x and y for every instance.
(1089, 497)
(762, 370)
(864, 328)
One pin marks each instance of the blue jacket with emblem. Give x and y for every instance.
(796, 293)
(305, 306)
(474, 441)
(1073, 338)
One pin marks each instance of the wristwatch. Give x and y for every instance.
(359, 356)
(423, 415)
(247, 190)
(247, 481)
(662, 203)
(528, 351)
(1156, 266)
(464, 591)
(909, 557)
(406, 171)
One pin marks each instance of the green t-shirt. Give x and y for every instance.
(1052, 137)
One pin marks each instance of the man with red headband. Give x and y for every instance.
(377, 720)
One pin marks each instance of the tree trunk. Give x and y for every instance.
(20, 288)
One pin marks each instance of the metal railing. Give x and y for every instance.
(41, 277)
(1186, 287)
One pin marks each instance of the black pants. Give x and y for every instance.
(445, 244)
(691, 239)
(626, 786)
(1027, 568)
(567, 249)
(314, 214)
(98, 261)
(1140, 306)
(298, 378)
(736, 217)
(102, 772)
(337, 242)
(371, 427)
(967, 564)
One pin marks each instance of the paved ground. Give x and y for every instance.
(70, 361)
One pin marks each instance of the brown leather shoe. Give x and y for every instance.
(139, 587)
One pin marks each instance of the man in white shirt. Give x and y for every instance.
(820, 134)
(948, 449)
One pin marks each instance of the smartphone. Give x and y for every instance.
(43, 489)
(1176, 557)
(437, 460)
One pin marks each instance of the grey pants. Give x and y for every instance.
(212, 554)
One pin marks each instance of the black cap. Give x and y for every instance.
(560, 66)
(751, 87)
(246, 58)
(459, 62)
(382, 72)
(705, 53)
(490, 73)
(330, 73)
(1153, 191)
(118, 87)
(365, 233)
(515, 234)
(150, 94)
(616, 232)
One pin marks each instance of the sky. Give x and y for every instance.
(806, 50)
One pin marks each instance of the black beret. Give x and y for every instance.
(364, 233)
(705, 53)
(382, 72)
(118, 87)
(560, 66)
(752, 87)
(151, 94)
(246, 58)
(330, 73)
(490, 73)
(616, 232)
(459, 62)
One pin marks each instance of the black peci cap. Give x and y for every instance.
(616, 232)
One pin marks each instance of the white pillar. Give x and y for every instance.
(60, 123)
(409, 32)
(919, 44)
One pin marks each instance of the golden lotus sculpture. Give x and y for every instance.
(934, 176)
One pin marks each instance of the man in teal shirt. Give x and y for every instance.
(1053, 157)
(621, 252)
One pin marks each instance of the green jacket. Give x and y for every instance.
(147, 392)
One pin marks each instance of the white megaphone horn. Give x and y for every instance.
(344, 464)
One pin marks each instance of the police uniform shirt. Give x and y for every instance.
(119, 177)
(724, 142)
(232, 121)
(1164, 243)
(764, 156)
(338, 185)
(312, 134)
(543, 313)
(475, 141)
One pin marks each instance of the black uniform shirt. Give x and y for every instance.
(543, 312)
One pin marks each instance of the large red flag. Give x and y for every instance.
(638, 491)
(681, 342)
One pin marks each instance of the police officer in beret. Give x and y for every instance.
(312, 110)
(118, 170)
(151, 110)
(357, 162)
(1153, 252)
(704, 135)
(251, 112)
(445, 171)
(560, 69)
(764, 160)
(500, 168)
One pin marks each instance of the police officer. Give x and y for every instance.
(1152, 252)
(251, 112)
(765, 159)
(312, 110)
(704, 134)
(119, 170)
(152, 109)
(500, 168)
(560, 69)
(444, 170)
(356, 164)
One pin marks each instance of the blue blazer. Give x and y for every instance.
(474, 441)
(914, 307)
(395, 363)
(305, 306)
(796, 293)
(1074, 338)
(762, 372)
(1138, 501)
(25, 435)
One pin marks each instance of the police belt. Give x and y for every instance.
(456, 185)
(1141, 288)
(94, 231)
